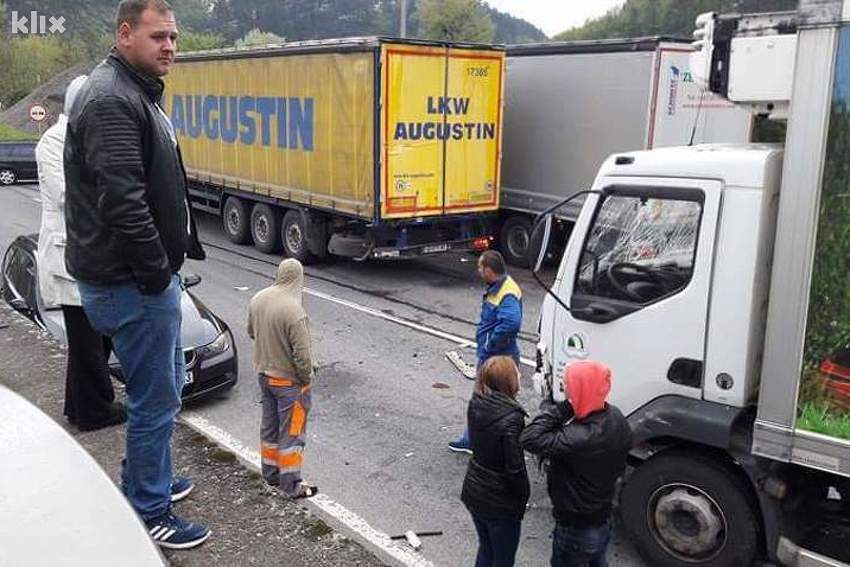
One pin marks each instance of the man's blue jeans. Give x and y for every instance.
(145, 332)
(580, 547)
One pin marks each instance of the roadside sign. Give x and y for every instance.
(38, 112)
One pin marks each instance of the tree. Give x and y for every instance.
(638, 18)
(28, 61)
(255, 37)
(455, 20)
(192, 15)
(197, 41)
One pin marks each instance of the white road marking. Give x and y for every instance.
(460, 341)
(376, 540)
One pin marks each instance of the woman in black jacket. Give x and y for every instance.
(495, 489)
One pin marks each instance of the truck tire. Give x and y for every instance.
(265, 228)
(514, 240)
(236, 220)
(293, 234)
(690, 510)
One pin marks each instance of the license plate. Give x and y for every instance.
(190, 377)
(435, 248)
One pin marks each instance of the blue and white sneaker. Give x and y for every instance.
(174, 532)
(460, 446)
(181, 486)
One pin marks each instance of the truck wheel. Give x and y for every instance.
(688, 510)
(235, 217)
(7, 177)
(293, 233)
(514, 240)
(265, 228)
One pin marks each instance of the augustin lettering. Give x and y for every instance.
(286, 122)
(440, 131)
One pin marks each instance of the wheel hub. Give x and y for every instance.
(6, 177)
(294, 238)
(518, 242)
(233, 221)
(262, 229)
(687, 521)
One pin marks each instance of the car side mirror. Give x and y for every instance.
(191, 280)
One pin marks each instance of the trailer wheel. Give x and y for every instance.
(293, 233)
(689, 510)
(265, 228)
(514, 240)
(236, 217)
(7, 177)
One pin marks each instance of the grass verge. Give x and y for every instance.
(8, 133)
(820, 417)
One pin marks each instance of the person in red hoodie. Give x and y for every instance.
(586, 441)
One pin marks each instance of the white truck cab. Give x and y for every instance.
(669, 282)
(714, 281)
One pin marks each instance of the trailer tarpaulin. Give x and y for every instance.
(299, 127)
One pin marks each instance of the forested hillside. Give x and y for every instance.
(27, 61)
(664, 17)
(292, 19)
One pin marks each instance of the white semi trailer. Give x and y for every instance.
(569, 105)
(713, 280)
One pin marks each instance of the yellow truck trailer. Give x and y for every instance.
(366, 148)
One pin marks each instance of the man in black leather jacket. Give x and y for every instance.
(586, 441)
(129, 230)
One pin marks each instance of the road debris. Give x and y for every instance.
(413, 537)
(467, 370)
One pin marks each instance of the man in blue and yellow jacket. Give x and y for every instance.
(501, 310)
(500, 321)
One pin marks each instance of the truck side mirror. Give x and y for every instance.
(539, 242)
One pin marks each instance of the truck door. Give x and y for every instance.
(414, 79)
(474, 89)
(637, 280)
(442, 118)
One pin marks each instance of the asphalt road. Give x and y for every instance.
(386, 402)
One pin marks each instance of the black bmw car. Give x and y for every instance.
(208, 345)
(17, 162)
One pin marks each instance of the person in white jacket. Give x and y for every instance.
(89, 396)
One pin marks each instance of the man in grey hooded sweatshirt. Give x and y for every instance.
(278, 324)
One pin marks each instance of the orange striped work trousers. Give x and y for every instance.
(283, 431)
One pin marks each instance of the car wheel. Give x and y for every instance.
(686, 510)
(7, 177)
(265, 228)
(236, 217)
(514, 240)
(293, 233)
